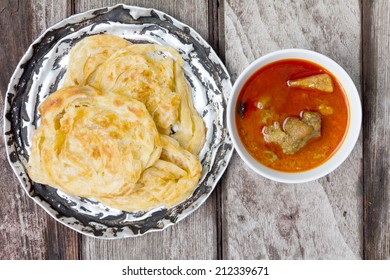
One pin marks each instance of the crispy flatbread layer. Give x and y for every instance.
(86, 56)
(169, 181)
(154, 75)
(92, 144)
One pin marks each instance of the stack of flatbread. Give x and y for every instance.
(122, 129)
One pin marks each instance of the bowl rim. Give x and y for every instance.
(354, 116)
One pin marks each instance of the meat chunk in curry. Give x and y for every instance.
(321, 82)
(296, 132)
(325, 110)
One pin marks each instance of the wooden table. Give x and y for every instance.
(345, 215)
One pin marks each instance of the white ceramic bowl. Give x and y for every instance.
(354, 120)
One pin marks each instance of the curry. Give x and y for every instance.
(292, 115)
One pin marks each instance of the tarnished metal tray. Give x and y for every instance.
(41, 71)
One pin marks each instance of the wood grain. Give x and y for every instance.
(195, 237)
(318, 220)
(26, 231)
(376, 86)
(192, 12)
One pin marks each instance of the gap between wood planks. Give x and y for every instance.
(216, 40)
(362, 31)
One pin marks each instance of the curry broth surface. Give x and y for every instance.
(270, 84)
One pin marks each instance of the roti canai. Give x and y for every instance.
(92, 144)
(122, 129)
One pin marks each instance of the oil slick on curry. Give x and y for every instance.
(292, 115)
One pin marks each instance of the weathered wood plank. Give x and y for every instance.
(194, 237)
(376, 88)
(194, 13)
(26, 231)
(317, 220)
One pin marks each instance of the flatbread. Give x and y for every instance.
(122, 129)
(154, 75)
(86, 56)
(92, 144)
(169, 181)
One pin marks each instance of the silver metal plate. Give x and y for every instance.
(41, 71)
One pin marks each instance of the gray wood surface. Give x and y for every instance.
(342, 216)
(376, 71)
(318, 220)
(26, 231)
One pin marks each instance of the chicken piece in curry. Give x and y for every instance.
(321, 82)
(296, 132)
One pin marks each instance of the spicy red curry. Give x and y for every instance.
(285, 122)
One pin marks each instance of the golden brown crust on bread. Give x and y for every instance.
(169, 181)
(154, 75)
(86, 56)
